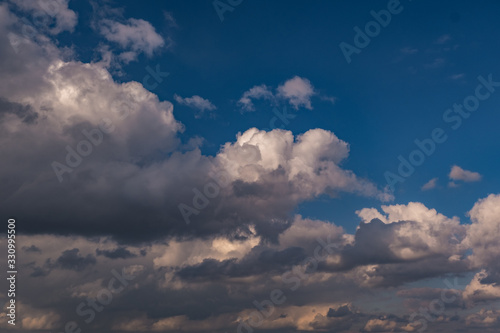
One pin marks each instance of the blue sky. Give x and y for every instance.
(205, 148)
(395, 91)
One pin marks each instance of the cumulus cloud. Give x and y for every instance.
(484, 319)
(457, 173)
(117, 210)
(90, 141)
(196, 102)
(479, 291)
(482, 234)
(298, 91)
(407, 243)
(308, 164)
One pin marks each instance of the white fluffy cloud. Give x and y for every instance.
(482, 235)
(457, 173)
(429, 233)
(298, 91)
(50, 104)
(309, 162)
(478, 291)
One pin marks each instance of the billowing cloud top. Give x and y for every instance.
(114, 209)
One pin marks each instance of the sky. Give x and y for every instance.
(250, 166)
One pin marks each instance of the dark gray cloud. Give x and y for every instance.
(340, 312)
(260, 260)
(122, 202)
(32, 248)
(118, 253)
(72, 260)
(24, 112)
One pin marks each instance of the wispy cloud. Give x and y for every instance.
(256, 92)
(436, 63)
(430, 184)
(196, 102)
(409, 50)
(457, 76)
(443, 39)
(135, 36)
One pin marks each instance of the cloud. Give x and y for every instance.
(380, 325)
(430, 184)
(443, 39)
(118, 253)
(71, 259)
(298, 91)
(457, 173)
(457, 76)
(32, 248)
(330, 99)
(57, 17)
(482, 234)
(409, 50)
(120, 172)
(308, 164)
(169, 18)
(436, 63)
(340, 312)
(256, 92)
(409, 243)
(136, 35)
(479, 291)
(484, 318)
(117, 210)
(196, 102)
